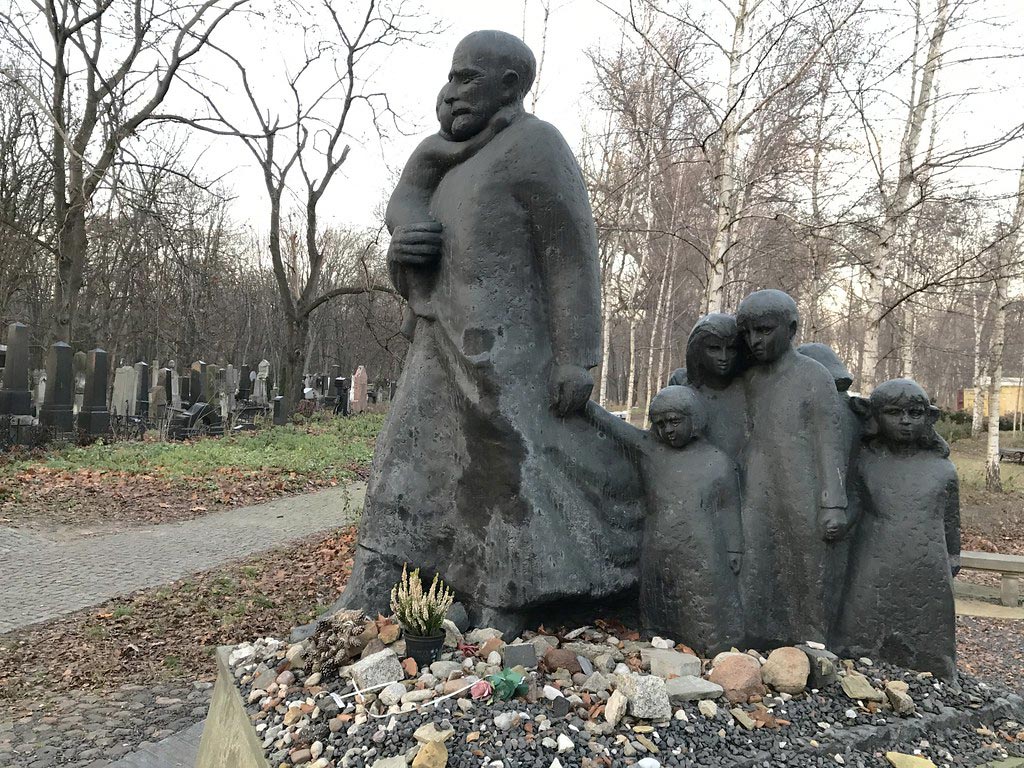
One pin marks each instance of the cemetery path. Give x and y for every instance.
(47, 576)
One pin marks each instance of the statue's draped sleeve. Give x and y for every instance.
(550, 186)
(827, 433)
(729, 516)
(952, 513)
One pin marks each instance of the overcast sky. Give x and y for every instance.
(412, 75)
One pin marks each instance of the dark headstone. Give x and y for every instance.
(279, 415)
(57, 410)
(142, 399)
(244, 382)
(94, 418)
(15, 395)
(197, 392)
(185, 390)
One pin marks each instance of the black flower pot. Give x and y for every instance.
(423, 650)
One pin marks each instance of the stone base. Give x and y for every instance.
(228, 737)
(58, 417)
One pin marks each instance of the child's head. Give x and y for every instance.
(768, 321)
(677, 416)
(827, 356)
(902, 416)
(713, 349)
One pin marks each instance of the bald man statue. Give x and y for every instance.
(485, 470)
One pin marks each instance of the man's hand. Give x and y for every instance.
(570, 387)
(833, 523)
(735, 562)
(416, 245)
(954, 564)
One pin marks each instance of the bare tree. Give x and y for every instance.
(310, 143)
(97, 71)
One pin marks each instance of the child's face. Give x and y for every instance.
(768, 337)
(673, 428)
(902, 423)
(720, 355)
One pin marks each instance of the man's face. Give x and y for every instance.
(673, 428)
(477, 88)
(768, 338)
(903, 424)
(720, 355)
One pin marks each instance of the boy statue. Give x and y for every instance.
(794, 472)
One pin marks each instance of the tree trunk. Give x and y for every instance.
(631, 369)
(72, 242)
(978, 415)
(995, 374)
(606, 345)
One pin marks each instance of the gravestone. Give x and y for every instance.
(57, 410)
(142, 378)
(231, 379)
(125, 392)
(341, 395)
(79, 364)
(94, 418)
(158, 402)
(262, 377)
(212, 385)
(197, 387)
(359, 394)
(172, 386)
(244, 383)
(38, 389)
(279, 414)
(15, 396)
(185, 391)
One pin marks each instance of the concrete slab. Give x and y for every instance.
(966, 607)
(228, 737)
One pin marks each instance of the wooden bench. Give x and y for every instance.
(1016, 455)
(1010, 567)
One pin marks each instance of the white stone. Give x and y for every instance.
(551, 693)
(648, 762)
(503, 721)
(392, 694)
(494, 659)
(548, 743)
(376, 669)
(565, 744)
(666, 663)
(708, 708)
(615, 708)
(661, 642)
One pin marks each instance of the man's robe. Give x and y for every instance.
(475, 476)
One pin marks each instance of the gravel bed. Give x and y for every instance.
(967, 724)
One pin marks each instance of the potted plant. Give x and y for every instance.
(421, 615)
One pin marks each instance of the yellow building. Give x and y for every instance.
(1011, 397)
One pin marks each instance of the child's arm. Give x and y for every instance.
(730, 519)
(621, 431)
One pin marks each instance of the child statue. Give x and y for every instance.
(714, 360)
(906, 549)
(693, 541)
(794, 473)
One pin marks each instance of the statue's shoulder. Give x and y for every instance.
(539, 138)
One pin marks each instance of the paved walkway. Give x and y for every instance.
(44, 578)
(178, 751)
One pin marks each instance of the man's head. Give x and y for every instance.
(768, 321)
(677, 416)
(490, 70)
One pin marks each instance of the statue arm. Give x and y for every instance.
(551, 189)
(827, 436)
(952, 521)
(622, 432)
(729, 511)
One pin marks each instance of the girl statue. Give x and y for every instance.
(906, 549)
(714, 360)
(693, 541)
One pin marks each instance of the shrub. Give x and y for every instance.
(421, 613)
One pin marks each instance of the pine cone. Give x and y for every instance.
(337, 641)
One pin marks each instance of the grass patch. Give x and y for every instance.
(325, 447)
(969, 457)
